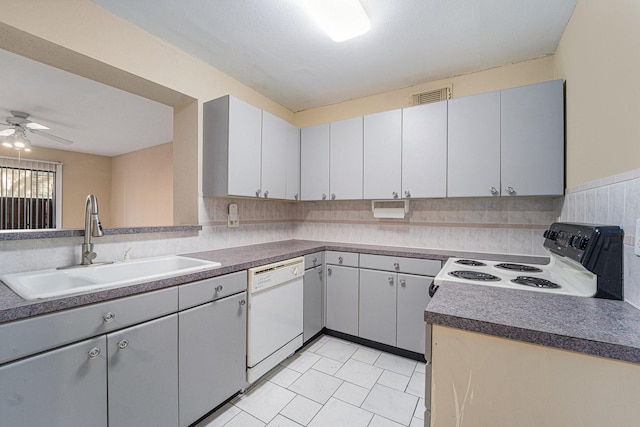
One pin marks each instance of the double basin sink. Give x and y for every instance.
(55, 283)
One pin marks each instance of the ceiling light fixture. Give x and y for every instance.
(340, 19)
(18, 140)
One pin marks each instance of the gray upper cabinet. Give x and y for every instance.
(383, 155)
(292, 166)
(314, 162)
(473, 167)
(345, 165)
(274, 155)
(232, 134)
(532, 146)
(424, 151)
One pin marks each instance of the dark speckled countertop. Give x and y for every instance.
(592, 326)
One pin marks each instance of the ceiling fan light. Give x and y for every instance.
(340, 19)
(7, 144)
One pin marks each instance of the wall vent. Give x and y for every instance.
(432, 96)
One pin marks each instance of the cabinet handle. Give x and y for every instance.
(396, 266)
(296, 196)
(219, 288)
(94, 353)
(329, 271)
(242, 302)
(510, 190)
(324, 196)
(333, 196)
(109, 317)
(340, 260)
(123, 344)
(403, 283)
(390, 279)
(266, 194)
(258, 192)
(395, 195)
(314, 260)
(407, 194)
(493, 190)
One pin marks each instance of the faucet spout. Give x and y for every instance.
(92, 227)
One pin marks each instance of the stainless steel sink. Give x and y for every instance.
(54, 283)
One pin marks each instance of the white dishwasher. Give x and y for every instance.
(274, 317)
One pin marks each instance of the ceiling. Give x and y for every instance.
(98, 118)
(274, 47)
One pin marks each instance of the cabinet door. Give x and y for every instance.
(342, 299)
(413, 297)
(382, 155)
(377, 320)
(293, 163)
(143, 374)
(424, 150)
(60, 388)
(213, 351)
(245, 140)
(532, 147)
(345, 166)
(474, 146)
(313, 307)
(314, 162)
(274, 156)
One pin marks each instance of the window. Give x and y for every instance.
(30, 194)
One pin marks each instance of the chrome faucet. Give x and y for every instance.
(92, 227)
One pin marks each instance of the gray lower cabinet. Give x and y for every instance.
(377, 314)
(342, 299)
(313, 307)
(143, 374)
(413, 297)
(213, 348)
(63, 387)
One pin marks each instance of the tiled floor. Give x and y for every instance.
(331, 383)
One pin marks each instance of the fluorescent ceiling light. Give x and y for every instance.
(341, 19)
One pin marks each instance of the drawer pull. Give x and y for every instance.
(94, 353)
(396, 265)
(123, 344)
(242, 302)
(109, 317)
(340, 260)
(219, 288)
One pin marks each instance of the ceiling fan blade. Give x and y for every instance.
(7, 132)
(37, 126)
(48, 135)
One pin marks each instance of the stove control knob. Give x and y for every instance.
(550, 234)
(579, 242)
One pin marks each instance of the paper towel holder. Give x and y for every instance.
(392, 209)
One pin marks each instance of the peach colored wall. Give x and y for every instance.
(599, 56)
(142, 187)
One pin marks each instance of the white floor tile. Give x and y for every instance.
(337, 350)
(301, 362)
(397, 364)
(301, 410)
(328, 366)
(316, 385)
(265, 401)
(351, 393)
(220, 417)
(244, 420)
(391, 404)
(366, 355)
(420, 408)
(323, 339)
(417, 384)
(421, 367)
(280, 421)
(283, 376)
(359, 373)
(417, 422)
(315, 346)
(340, 414)
(379, 421)
(393, 380)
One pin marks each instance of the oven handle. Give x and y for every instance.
(432, 289)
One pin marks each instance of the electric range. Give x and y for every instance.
(585, 260)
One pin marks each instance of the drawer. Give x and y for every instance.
(29, 336)
(203, 291)
(348, 259)
(313, 260)
(422, 267)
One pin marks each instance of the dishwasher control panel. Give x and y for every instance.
(270, 275)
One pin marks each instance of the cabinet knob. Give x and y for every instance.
(266, 194)
(123, 344)
(242, 302)
(407, 194)
(510, 190)
(324, 196)
(94, 353)
(395, 194)
(314, 260)
(340, 260)
(109, 317)
(493, 190)
(396, 265)
(403, 283)
(296, 196)
(258, 192)
(333, 196)
(390, 279)
(219, 288)
(329, 271)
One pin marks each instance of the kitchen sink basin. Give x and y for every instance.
(54, 283)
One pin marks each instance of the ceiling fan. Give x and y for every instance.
(16, 135)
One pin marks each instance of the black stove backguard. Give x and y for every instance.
(597, 247)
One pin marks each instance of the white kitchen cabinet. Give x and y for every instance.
(377, 309)
(292, 166)
(143, 374)
(473, 165)
(532, 140)
(313, 306)
(413, 297)
(345, 165)
(383, 155)
(314, 162)
(212, 354)
(232, 154)
(59, 388)
(275, 134)
(342, 299)
(424, 151)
